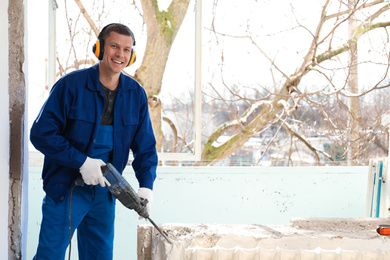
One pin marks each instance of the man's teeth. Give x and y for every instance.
(117, 61)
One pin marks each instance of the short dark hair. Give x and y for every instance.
(115, 27)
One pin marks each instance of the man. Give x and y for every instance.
(92, 116)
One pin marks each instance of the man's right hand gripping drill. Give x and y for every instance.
(91, 172)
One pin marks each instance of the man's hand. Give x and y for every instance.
(92, 173)
(146, 193)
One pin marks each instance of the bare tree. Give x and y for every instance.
(283, 106)
(162, 28)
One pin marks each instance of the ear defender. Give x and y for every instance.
(133, 58)
(98, 48)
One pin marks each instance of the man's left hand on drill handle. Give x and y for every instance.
(91, 171)
(145, 193)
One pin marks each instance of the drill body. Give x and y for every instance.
(121, 189)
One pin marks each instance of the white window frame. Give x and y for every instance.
(196, 155)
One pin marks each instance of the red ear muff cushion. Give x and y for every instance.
(97, 50)
(132, 58)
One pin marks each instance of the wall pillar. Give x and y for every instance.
(4, 128)
(17, 100)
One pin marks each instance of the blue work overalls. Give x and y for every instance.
(92, 213)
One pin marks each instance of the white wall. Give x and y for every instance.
(4, 130)
(228, 195)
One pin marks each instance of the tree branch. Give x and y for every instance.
(87, 17)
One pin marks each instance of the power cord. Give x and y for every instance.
(70, 219)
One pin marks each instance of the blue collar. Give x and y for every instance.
(94, 85)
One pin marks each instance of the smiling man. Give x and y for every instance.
(93, 116)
